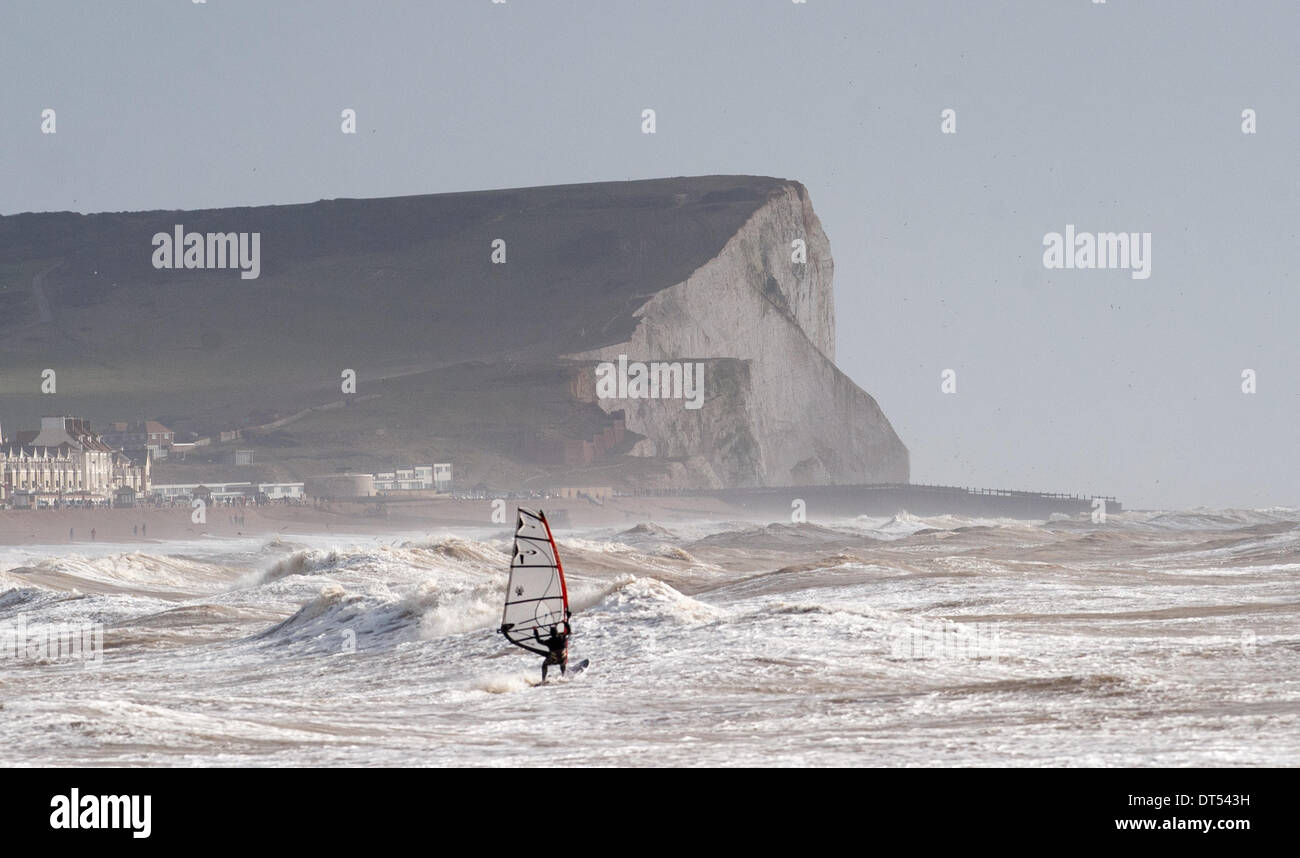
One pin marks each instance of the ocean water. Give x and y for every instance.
(1168, 639)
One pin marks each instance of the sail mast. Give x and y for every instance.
(564, 587)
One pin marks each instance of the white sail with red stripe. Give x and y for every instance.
(537, 598)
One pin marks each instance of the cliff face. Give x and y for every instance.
(458, 356)
(776, 411)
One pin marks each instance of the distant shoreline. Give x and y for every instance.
(51, 527)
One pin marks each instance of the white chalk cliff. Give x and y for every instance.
(777, 411)
(462, 356)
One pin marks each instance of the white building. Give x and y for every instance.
(226, 491)
(280, 491)
(185, 491)
(415, 478)
(66, 461)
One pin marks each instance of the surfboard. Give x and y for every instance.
(563, 677)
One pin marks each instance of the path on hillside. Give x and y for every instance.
(38, 290)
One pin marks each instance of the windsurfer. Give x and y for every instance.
(558, 644)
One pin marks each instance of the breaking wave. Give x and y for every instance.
(631, 597)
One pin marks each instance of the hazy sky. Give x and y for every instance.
(1123, 116)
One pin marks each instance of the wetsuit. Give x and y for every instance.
(558, 644)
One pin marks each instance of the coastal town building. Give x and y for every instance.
(141, 435)
(403, 480)
(593, 494)
(221, 492)
(415, 478)
(282, 491)
(66, 462)
(207, 491)
(343, 486)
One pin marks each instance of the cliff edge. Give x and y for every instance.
(475, 325)
(776, 410)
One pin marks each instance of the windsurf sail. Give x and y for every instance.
(536, 596)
